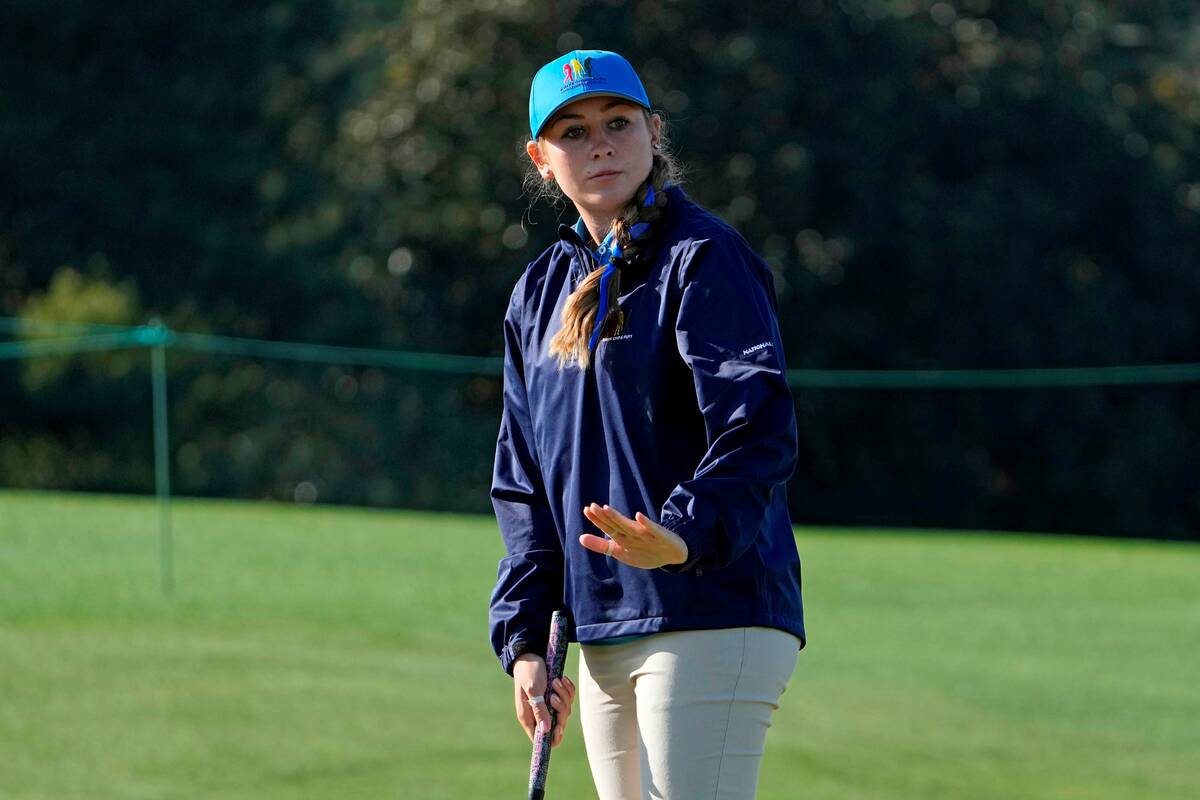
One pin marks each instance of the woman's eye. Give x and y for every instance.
(578, 131)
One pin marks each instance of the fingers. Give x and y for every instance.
(533, 716)
(526, 720)
(529, 680)
(541, 713)
(640, 542)
(598, 544)
(597, 517)
(562, 700)
(612, 522)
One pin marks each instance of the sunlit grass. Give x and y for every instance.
(342, 653)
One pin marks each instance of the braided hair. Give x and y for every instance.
(570, 344)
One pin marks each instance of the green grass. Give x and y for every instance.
(342, 653)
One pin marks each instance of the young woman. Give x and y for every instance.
(647, 435)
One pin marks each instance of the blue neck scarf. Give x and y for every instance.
(608, 253)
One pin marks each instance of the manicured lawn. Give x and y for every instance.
(342, 653)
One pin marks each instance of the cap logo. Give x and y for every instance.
(576, 73)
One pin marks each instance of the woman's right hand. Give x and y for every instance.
(529, 680)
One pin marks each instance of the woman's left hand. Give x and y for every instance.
(640, 542)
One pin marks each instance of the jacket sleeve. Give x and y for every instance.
(529, 582)
(727, 332)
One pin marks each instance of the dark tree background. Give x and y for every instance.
(966, 184)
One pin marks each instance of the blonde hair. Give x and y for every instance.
(570, 344)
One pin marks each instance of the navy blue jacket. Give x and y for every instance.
(686, 416)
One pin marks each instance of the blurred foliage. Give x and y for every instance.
(935, 184)
(73, 297)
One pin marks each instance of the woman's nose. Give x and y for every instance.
(603, 148)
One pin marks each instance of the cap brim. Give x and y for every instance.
(637, 101)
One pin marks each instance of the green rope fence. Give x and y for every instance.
(73, 337)
(1044, 378)
(67, 338)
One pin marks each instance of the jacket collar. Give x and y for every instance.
(586, 260)
(583, 260)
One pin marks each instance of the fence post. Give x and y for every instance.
(160, 336)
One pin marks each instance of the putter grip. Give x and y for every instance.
(556, 658)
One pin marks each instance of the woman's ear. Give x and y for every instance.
(535, 155)
(656, 131)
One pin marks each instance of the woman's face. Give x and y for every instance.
(599, 150)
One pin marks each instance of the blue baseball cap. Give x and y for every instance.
(578, 74)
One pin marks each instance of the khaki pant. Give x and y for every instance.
(682, 715)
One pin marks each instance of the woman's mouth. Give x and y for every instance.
(608, 173)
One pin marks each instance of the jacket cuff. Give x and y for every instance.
(515, 649)
(696, 538)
